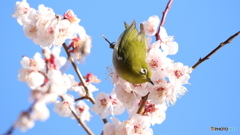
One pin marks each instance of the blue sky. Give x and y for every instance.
(198, 26)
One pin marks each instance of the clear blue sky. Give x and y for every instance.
(198, 26)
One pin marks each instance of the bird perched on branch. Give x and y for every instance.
(129, 55)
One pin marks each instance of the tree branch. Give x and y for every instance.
(28, 111)
(85, 127)
(164, 15)
(81, 78)
(10, 131)
(82, 123)
(141, 108)
(78, 73)
(215, 50)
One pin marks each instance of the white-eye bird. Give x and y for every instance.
(129, 55)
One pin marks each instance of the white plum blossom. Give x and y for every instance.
(69, 15)
(158, 114)
(31, 71)
(89, 79)
(82, 111)
(40, 111)
(59, 83)
(109, 129)
(167, 44)
(179, 73)
(22, 11)
(53, 58)
(138, 125)
(37, 63)
(63, 108)
(82, 92)
(128, 99)
(115, 128)
(159, 92)
(33, 79)
(46, 28)
(24, 122)
(81, 47)
(102, 104)
(151, 26)
(116, 107)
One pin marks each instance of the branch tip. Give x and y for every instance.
(215, 50)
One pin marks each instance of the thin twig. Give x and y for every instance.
(81, 98)
(164, 15)
(80, 77)
(82, 123)
(28, 111)
(85, 127)
(215, 50)
(78, 73)
(10, 131)
(141, 108)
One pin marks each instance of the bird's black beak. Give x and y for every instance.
(149, 80)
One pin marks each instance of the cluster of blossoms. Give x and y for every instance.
(44, 74)
(168, 78)
(45, 77)
(45, 28)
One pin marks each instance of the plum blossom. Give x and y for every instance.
(81, 47)
(69, 15)
(53, 58)
(160, 92)
(33, 79)
(115, 128)
(107, 104)
(63, 108)
(128, 99)
(116, 108)
(151, 26)
(40, 111)
(24, 122)
(177, 72)
(46, 28)
(138, 125)
(168, 45)
(102, 104)
(82, 111)
(37, 63)
(31, 71)
(91, 78)
(59, 83)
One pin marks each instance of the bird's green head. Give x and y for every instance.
(145, 73)
(141, 73)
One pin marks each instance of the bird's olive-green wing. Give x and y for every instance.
(126, 37)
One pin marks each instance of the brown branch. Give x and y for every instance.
(215, 50)
(85, 127)
(10, 131)
(82, 123)
(78, 73)
(81, 98)
(141, 108)
(81, 78)
(164, 15)
(28, 111)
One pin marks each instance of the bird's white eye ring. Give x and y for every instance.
(143, 71)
